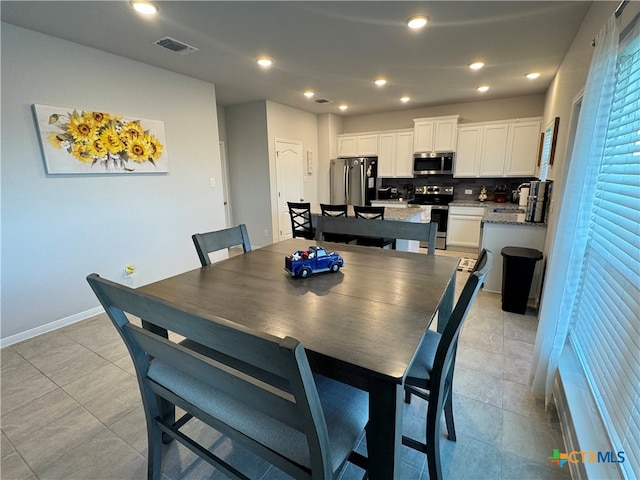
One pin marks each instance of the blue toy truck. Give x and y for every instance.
(303, 263)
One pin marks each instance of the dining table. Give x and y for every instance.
(361, 325)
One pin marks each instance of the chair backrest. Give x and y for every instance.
(300, 214)
(213, 241)
(275, 379)
(333, 210)
(423, 232)
(445, 354)
(369, 213)
(480, 260)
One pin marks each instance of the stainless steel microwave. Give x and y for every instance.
(433, 163)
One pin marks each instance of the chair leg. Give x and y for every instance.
(448, 416)
(433, 443)
(154, 453)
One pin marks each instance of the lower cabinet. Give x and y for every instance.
(463, 227)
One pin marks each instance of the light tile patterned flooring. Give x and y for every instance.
(71, 410)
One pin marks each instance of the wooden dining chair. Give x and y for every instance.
(209, 242)
(330, 210)
(431, 374)
(254, 388)
(372, 213)
(301, 225)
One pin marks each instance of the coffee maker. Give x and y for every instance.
(538, 201)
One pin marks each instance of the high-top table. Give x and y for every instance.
(361, 325)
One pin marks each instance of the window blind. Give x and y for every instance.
(605, 328)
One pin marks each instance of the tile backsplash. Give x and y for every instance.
(460, 185)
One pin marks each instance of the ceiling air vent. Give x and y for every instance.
(322, 100)
(174, 45)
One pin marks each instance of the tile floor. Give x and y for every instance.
(71, 410)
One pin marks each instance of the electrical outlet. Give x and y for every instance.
(266, 233)
(212, 182)
(468, 191)
(129, 270)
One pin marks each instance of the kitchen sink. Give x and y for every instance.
(508, 210)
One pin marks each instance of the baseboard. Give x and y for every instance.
(49, 327)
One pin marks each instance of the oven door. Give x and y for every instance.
(440, 215)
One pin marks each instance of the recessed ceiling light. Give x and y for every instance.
(417, 21)
(264, 62)
(476, 65)
(405, 99)
(145, 8)
(380, 82)
(309, 94)
(343, 107)
(532, 75)
(483, 88)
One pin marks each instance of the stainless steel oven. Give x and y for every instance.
(435, 198)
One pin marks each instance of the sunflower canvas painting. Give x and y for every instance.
(92, 142)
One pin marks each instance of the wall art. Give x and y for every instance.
(91, 142)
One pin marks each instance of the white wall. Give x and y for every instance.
(568, 83)
(287, 123)
(479, 111)
(248, 155)
(57, 229)
(251, 131)
(329, 126)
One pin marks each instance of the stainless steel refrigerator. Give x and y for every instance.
(353, 180)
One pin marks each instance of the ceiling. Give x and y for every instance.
(334, 48)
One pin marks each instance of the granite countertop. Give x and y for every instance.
(508, 218)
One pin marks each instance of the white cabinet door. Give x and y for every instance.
(445, 134)
(494, 150)
(522, 149)
(347, 146)
(435, 134)
(386, 154)
(367, 144)
(423, 136)
(467, 160)
(404, 154)
(463, 227)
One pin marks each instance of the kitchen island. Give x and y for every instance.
(501, 229)
(497, 225)
(401, 214)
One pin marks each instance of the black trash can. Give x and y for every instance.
(518, 265)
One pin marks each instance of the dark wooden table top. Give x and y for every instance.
(366, 320)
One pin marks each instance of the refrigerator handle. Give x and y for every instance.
(363, 183)
(346, 183)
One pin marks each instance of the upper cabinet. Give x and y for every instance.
(395, 154)
(506, 148)
(357, 145)
(435, 134)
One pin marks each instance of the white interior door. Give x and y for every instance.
(225, 185)
(290, 181)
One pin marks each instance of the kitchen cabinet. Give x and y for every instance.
(463, 227)
(395, 154)
(522, 149)
(354, 145)
(498, 149)
(494, 150)
(435, 134)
